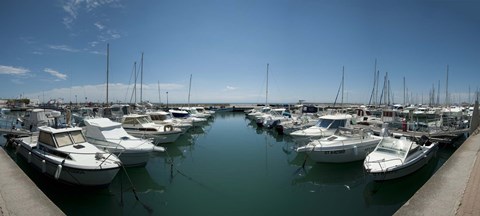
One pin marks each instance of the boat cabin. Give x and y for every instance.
(334, 121)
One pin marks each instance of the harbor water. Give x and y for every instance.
(231, 167)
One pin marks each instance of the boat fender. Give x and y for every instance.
(355, 150)
(44, 166)
(158, 149)
(29, 159)
(59, 170)
(168, 128)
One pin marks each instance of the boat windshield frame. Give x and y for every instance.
(331, 123)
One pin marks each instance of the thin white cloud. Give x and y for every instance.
(109, 35)
(67, 21)
(93, 43)
(74, 7)
(231, 88)
(97, 52)
(63, 48)
(117, 92)
(55, 73)
(99, 25)
(37, 53)
(10, 70)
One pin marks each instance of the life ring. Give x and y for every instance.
(168, 128)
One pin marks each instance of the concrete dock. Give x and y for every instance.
(18, 194)
(454, 189)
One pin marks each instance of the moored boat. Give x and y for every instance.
(346, 145)
(111, 137)
(326, 126)
(394, 158)
(142, 126)
(64, 154)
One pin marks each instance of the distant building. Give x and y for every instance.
(34, 102)
(3, 103)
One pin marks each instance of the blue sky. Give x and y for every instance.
(57, 49)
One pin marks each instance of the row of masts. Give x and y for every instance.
(386, 95)
(135, 74)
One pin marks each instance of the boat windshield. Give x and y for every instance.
(158, 117)
(393, 148)
(144, 120)
(331, 123)
(63, 139)
(78, 137)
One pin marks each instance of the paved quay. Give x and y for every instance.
(18, 194)
(454, 188)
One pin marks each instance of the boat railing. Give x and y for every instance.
(379, 162)
(66, 154)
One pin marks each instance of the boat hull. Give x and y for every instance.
(134, 159)
(158, 138)
(347, 153)
(400, 171)
(96, 177)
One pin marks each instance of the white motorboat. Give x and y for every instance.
(165, 118)
(111, 137)
(202, 110)
(35, 118)
(326, 126)
(182, 114)
(296, 123)
(346, 145)
(142, 126)
(272, 118)
(395, 158)
(252, 115)
(195, 113)
(65, 155)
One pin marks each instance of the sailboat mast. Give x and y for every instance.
(266, 91)
(446, 91)
(376, 88)
(108, 56)
(135, 85)
(404, 91)
(159, 95)
(189, 88)
(141, 81)
(375, 85)
(343, 82)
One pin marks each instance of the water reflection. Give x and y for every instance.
(397, 191)
(141, 180)
(344, 175)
